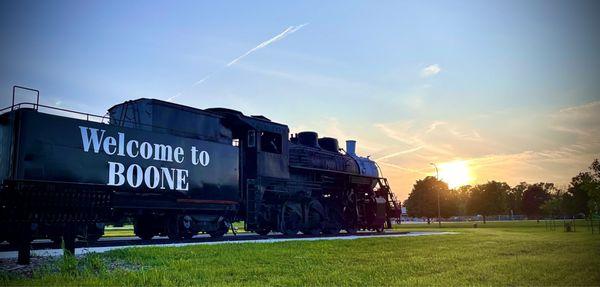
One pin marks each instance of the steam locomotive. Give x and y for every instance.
(175, 171)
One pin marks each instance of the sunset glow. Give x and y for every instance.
(455, 173)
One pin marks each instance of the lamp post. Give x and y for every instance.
(437, 176)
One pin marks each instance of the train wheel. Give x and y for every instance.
(173, 229)
(332, 231)
(350, 214)
(334, 225)
(351, 230)
(220, 231)
(143, 229)
(263, 231)
(186, 229)
(291, 218)
(92, 232)
(314, 218)
(56, 240)
(145, 235)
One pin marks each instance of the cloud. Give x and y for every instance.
(506, 145)
(430, 70)
(582, 121)
(434, 125)
(410, 133)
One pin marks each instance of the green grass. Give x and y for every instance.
(510, 253)
(127, 230)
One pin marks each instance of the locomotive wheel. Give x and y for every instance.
(263, 231)
(291, 218)
(220, 231)
(145, 235)
(351, 230)
(332, 231)
(56, 240)
(334, 225)
(350, 214)
(92, 238)
(143, 229)
(173, 229)
(314, 218)
(92, 232)
(185, 228)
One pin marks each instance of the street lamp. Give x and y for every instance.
(437, 176)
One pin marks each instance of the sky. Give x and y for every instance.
(508, 89)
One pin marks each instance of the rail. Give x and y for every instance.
(100, 119)
(37, 94)
(36, 106)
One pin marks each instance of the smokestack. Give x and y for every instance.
(351, 147)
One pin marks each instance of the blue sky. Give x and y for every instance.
(511, 87)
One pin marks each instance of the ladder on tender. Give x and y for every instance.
(251, 222)
(393, 208)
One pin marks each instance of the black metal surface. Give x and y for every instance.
(317, 158)
(329, 144)
(50, 149)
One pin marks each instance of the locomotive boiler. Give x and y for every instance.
(175, 171)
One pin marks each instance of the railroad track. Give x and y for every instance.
(134, 241)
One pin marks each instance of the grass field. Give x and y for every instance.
(508, 253)
(127, 230)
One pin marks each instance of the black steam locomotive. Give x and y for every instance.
(174, 171)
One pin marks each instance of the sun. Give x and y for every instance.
(455, 173)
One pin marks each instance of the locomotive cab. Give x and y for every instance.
(264, 156)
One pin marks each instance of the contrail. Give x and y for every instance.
(285, 33)
(289, 30)
(399, 153)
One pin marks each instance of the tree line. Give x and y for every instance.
(534, 200)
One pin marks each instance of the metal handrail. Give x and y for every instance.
(37, 100)
(36, 106)
(102, 119)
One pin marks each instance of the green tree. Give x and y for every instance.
(489, 199)
(534, 196)
(556, 204)
(583, 194)
(515, 198)
(551, 207)
(458, 199)
(422, 200)
(593, 189)
(579, 193)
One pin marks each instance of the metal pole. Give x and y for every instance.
(437, 176)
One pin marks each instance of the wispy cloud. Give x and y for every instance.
(510, 151)
(430, 70)
(582, 121)
(434, 125)
(288, 31)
